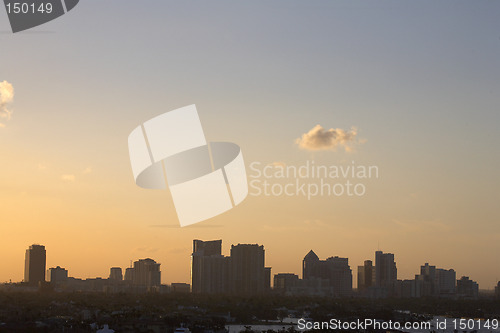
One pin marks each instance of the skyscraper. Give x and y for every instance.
(467, 288)
(334, 269)
(129, 274)
(446, 282)
(426, 281)
(309, 265)
(283, 282)
(115, 274)
(386, 273)
(209, 268)
(57, 275)
(247, 269)
(34, 264)
(146, 273)
(365, 275)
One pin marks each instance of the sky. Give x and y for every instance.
(410, 87)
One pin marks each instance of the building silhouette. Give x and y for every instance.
(366, 276)
(446, 282)
(467, 288)
(267, 279)
(334, 269)
(247, 269)
(146, 273)
(129, 274)
(243, 272)
(425, 282)
(209, 268)
(115, 274)
(57, 275)
(386, 273)
(34, 264)
(285, 282)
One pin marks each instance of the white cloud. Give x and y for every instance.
(320, 139)
(6, 98)
(87, 171)
(68, 178)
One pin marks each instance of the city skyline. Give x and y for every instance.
(214, 273)
(409, 87)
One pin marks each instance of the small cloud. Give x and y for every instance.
(413, 226)
(87, 171)
(68, 178)
(316, 223)
(6, 98)
(147, 249)
(320, 139)
(42, 166)
(178, 250)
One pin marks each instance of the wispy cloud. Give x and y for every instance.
(68, 178)
(414, 226)
(6, 98)
(147, 249)
(87, 171)
(41, 166)
(319, 138)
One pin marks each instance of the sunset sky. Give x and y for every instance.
(413, 87)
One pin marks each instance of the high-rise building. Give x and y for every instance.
(310, 265)
(209, 268)
(207, 248)
(426, 281)
(129, 274)
(115, 274)
(267, 278)
(467, 288)
(247, 270)
(365, 276)
(335, 269)
(446, 282)
(146, 273)
(243, 272)
(34, 264)
(57, 275)
(284, 282)
(386, 273)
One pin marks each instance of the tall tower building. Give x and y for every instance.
(248, 269)
(365, 276)
(309, 265)
(34, 264)
(129, 274)
(386, 273)
(446, 281)
(209, 268)
(146, 273)
(115, 274)
(334, 269)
